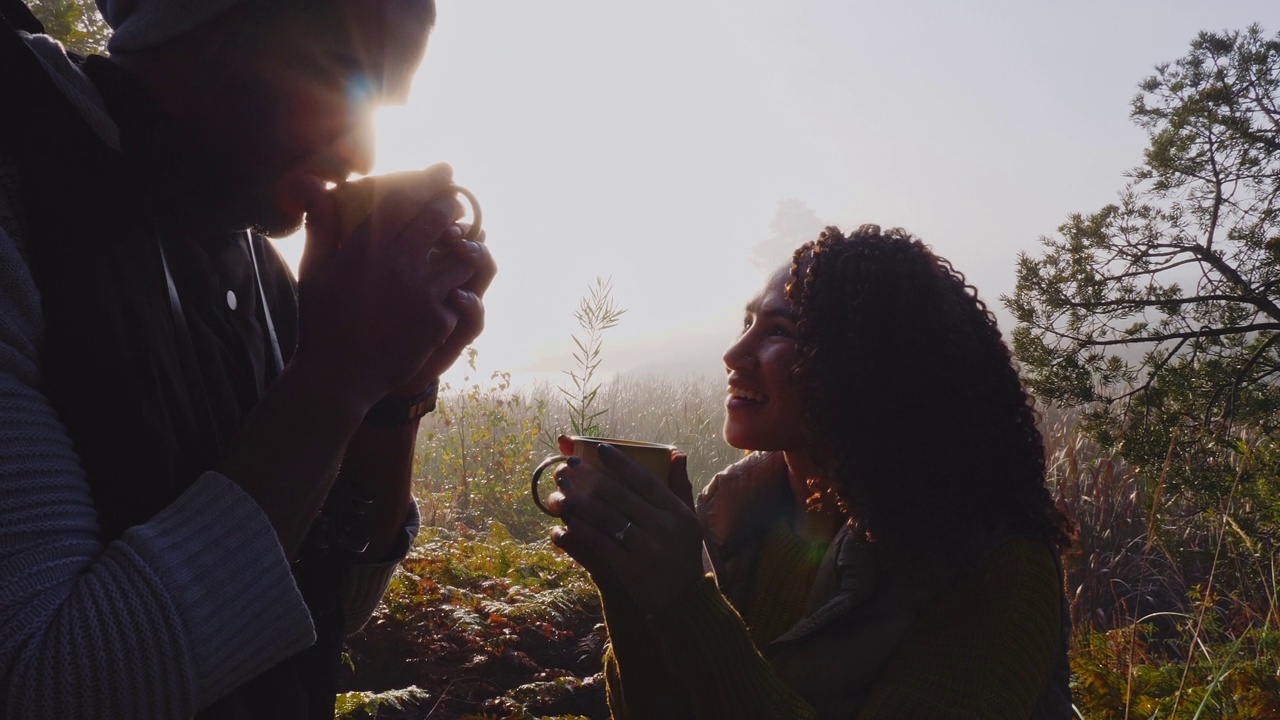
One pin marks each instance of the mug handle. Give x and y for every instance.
(474, 232)
(537, 474)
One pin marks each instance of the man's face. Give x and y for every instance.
(290, 97)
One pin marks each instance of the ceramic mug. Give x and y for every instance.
(358, 198)
(654, 457)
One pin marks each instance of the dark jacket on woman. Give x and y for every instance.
(857, 629)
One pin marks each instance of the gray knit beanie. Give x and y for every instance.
(143, 23)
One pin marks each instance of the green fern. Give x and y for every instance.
(359, 704)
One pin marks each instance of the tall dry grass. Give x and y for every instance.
(1119, 569)
(1173, 605)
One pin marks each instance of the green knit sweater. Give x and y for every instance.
(781, 585)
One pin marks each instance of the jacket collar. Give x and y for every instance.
(736, 511)
(744, 499)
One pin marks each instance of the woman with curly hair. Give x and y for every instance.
(887, 550)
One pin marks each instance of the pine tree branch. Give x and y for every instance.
(1104, 304)
(1165, 337)
(1257, 300)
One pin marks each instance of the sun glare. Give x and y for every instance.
(623, 144)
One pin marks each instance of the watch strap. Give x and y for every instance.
(396, 411)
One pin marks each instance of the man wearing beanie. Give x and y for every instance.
(205, 466)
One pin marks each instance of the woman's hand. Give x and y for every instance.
(628, 530)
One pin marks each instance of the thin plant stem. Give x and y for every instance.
(1208, 592)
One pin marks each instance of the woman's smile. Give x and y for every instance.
(742, 397)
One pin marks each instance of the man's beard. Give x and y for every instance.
(280, 230)
(275, 223)
(259, 206)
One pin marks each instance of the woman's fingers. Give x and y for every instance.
(623, 488)
(656, 565)
(678, 479)
(638, 480)
(579, 548)
(601, 547)
(322, 238)
(572, 543)
(652, 548)
(586, 498)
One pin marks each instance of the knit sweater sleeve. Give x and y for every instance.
(984, 648)
(369, 580)
(709, 663)
(159, 623)
(640, 682)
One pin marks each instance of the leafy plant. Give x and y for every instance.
(1122, 674)
(475, 454)
(76, 23)
(489, 626)
(1174, 610)
(359, 704)
(596, 313)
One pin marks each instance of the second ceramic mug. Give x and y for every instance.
(654, 457)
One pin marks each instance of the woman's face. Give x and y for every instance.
(762, 410)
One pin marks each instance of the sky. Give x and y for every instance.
(651, 144)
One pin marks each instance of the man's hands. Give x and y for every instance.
(382, 312)
(387, 309)
(630, 531)
(468, 301)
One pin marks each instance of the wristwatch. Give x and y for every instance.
(396, 411)
(339, 531)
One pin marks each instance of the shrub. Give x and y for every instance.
(475, 455)
(484, 623)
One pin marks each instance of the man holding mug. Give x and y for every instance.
(205, 469)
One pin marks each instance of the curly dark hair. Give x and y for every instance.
(914, 406)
